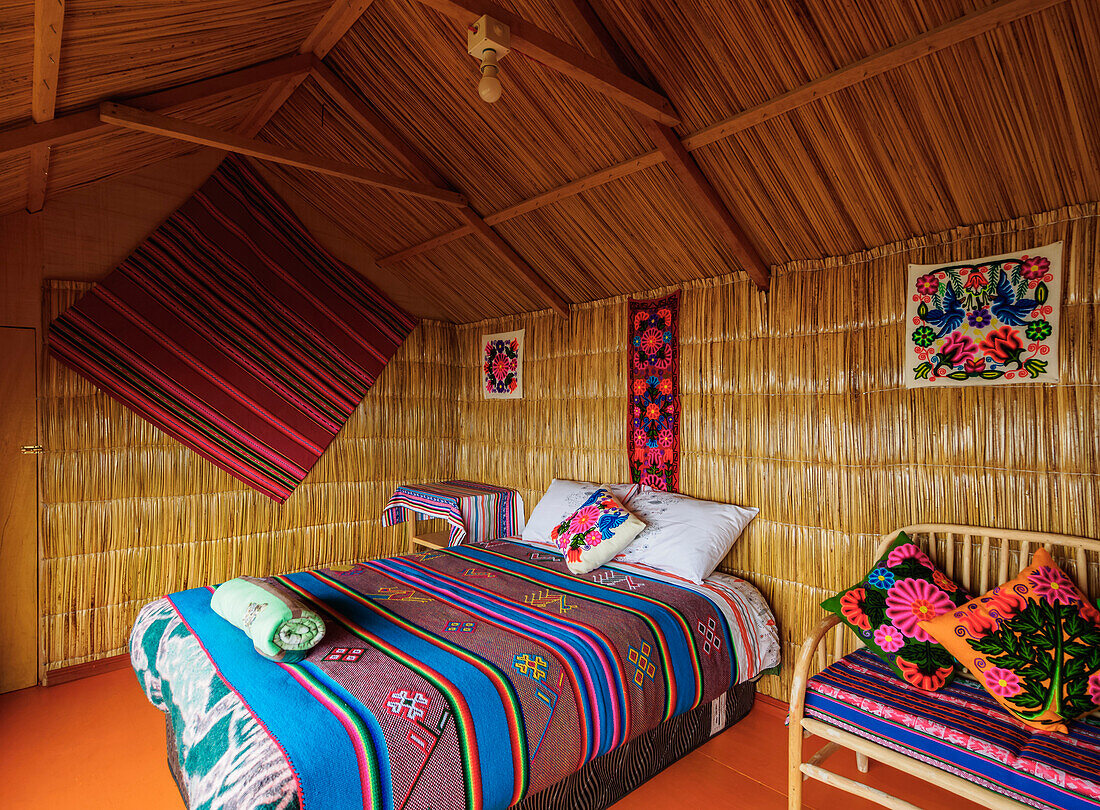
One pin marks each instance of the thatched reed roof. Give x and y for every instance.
(998, 120)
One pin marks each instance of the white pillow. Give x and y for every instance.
(563, 498)
(684, 536)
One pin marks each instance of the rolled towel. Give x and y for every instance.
(281, 627)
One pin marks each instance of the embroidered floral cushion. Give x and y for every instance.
(885, 608)
(1033, 642)
(596, 532)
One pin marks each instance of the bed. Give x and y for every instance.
(479, 676)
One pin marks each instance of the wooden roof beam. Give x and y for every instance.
(330, 29)
(380, 130)
(169, 127)
(76, 125)
(968, 26)
(567, 59)
(700, 191)
(958, 30)
(49, 17)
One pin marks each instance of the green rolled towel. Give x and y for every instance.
(281, 628)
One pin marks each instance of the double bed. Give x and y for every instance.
(479, 676)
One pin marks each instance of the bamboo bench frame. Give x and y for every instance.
(945, 544)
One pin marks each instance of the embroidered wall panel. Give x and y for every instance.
(988, 321)
(653, 433)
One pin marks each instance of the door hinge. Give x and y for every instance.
(32, 449)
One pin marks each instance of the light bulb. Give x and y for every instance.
(489, 87)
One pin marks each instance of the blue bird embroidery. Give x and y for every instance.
(1005, 306)
(951, 316)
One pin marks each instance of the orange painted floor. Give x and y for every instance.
(98, 744)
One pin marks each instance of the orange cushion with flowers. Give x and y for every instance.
(1033, 643)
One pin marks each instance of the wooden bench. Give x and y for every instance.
(976, 558)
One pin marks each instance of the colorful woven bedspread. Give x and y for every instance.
(231, 329)
(962, 730)
(463, 678)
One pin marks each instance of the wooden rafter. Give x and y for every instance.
(380, 130)
(567, 59)
(49, 17)
(157, 124)
(330, 29)
(959, 30)
(699, 190)
(76, 125)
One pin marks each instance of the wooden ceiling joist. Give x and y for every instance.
(157, 124)
(366, 117)
(544, 47)
(959, 30)
(49, 17)
(83, 123)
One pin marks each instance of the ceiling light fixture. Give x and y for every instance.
(487, 40)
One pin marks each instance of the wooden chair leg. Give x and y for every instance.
(861, 762)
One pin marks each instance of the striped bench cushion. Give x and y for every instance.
(962, 730)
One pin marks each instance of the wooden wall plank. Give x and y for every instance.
(18, 510)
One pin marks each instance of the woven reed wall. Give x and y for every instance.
(792, 402)
(129, 514)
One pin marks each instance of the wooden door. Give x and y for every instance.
(18, 511)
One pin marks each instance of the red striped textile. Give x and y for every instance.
(231, 329)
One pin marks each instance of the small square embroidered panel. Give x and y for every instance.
(989, 321)
(502, 365)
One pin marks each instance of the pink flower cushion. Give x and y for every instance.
(886, 606)
(1033, 643)
(596, 532)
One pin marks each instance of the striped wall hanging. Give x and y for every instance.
(231, 329)
(654, 379)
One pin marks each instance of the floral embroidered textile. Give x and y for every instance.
(502, 365)
(654, 379)
(990, 321)
(599, 529)
(886, 607)
(1033, 642)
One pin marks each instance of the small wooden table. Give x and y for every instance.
(474, 511)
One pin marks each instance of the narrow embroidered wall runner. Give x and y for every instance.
(654, 379)
(231, 329)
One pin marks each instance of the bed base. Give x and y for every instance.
(606, 779)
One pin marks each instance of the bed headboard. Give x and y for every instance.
(979, 558)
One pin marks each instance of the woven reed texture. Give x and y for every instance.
(129, 514)
(792, 402)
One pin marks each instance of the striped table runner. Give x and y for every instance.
(231, 329)
(475, 511)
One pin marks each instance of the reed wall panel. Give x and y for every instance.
(128, 514)
(792, 402)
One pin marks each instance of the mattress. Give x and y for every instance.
(471, 677)
(960, 729)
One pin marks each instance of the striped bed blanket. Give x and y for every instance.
(469, 677)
